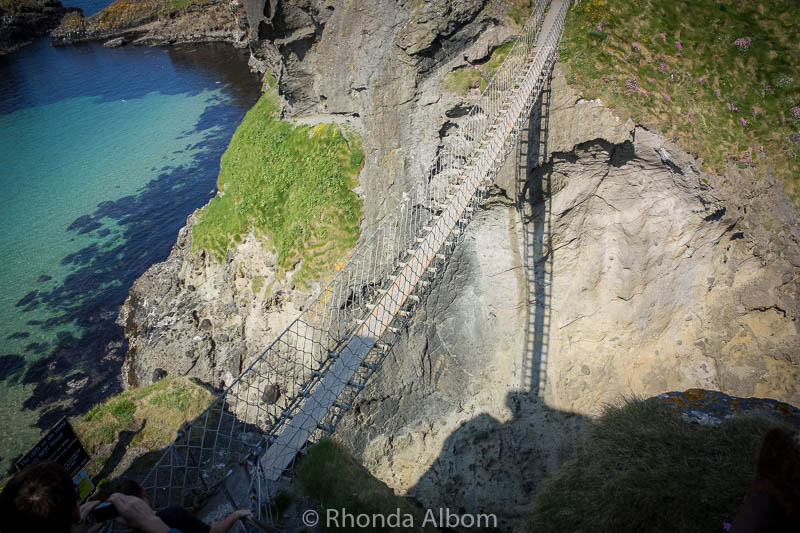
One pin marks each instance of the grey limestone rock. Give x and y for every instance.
(643, 275)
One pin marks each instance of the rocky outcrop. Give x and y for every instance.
(644, 275)
(151, 23)
(196, 317)
(358, 73)
(22, 21)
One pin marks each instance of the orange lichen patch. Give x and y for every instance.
(677, 400)
(784, 409)
(735, 404)
(696, 394)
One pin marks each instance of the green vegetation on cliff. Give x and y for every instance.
(641, 467)
(291, 185)
(476, 76)
(720, 77)
(152, 415)
(330, 475)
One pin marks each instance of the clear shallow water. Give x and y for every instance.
(103, 154)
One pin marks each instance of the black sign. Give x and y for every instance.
(60, 445)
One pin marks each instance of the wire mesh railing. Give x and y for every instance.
(302, 384)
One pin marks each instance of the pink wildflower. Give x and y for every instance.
(652, 80)
(743, 43)
(636, 46)
(796, 111)
(631, 84)
(679, 46)
(599, 27)
(702, 79)
(691, 117)
(663, 37)
(666, 97)
(717, 94)
(732, 107)
(755, 111)
(662, 67)
(743, 121)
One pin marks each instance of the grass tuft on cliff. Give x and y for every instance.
(641, 467)
(291, 185)
(720, 77)
(330, 475)
(476, 76)
(152, 414)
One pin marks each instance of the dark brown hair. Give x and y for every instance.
(41, 497)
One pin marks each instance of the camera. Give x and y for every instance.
(104, 511)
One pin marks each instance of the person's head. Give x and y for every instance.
(41, 497)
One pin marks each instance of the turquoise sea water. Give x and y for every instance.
(103, 154)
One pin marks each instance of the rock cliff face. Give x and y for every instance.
(615, 267)
(644, 275)
(193, 316)
(22, 21)
(379, 63)
(155, 22)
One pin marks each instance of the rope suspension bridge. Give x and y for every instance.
(297, 390)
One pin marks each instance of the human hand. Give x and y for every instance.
(241, 514)
(87, 507)
(137, 514)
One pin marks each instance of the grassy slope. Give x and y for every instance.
(292, 185)
(643, 468)
(154, 413)
(673, 65)
(330, 475)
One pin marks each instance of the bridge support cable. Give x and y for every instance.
(300, 386)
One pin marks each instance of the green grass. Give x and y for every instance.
(478, 76)
(258, 282)
(643, 468)
(520, 10)
(675, 90)
(291, 185)
(330, 475)
(155, 412)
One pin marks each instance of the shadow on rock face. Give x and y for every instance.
(487, 467)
